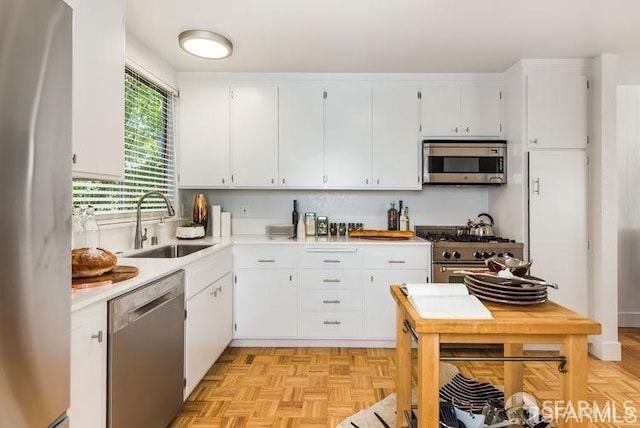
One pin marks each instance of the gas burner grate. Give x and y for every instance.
(447, 237)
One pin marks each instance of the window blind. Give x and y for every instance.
(149, 153)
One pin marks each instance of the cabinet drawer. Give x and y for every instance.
(335, 279)
(333, 258)
(202, 273)
(398, 257)
(265, 256)
(330, 324)
(330, 300)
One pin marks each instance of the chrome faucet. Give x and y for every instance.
(140, 238)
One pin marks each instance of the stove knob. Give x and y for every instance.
(500, 255)
(487, 254)
(456, 254)
(477, 255)
(508, 254)
(446, 255)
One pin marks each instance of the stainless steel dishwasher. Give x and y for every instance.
(146, 355)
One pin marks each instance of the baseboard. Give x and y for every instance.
(605, 351)
(629, 319)
(344, 343)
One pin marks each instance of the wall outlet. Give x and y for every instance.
(244, 210)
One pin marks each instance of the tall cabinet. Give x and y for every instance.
(545, 202)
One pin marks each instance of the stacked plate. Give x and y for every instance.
(279, 230)
(512, 291)
(470, 395)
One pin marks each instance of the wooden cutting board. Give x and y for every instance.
(117, 274)
(382, 234)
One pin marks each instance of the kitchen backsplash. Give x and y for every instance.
(442, 205)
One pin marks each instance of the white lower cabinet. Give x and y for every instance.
(386, 266)
(266, 303)
(89, 367)
(208, 329)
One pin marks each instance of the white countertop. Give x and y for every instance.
(151, 269)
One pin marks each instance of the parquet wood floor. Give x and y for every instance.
(319, 387)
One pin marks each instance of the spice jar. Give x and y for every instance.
(322, 226)
(333, 229)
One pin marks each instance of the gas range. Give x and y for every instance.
(450, 247)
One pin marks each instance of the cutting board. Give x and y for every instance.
(382, 234)
(117, 274)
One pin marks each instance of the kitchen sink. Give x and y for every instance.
(170, 251)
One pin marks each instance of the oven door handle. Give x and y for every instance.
(454, 268)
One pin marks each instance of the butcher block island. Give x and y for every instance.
(513, 326)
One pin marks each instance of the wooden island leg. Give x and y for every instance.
(403, 380)
(573, 383)
(512, 370)
(428, 380)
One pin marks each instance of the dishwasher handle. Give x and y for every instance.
(143, 310)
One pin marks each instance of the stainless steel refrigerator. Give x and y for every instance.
(35, 178)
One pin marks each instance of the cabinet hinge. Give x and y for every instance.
(232, 178)
(235, 279)
(324, 178)
(184, 382)
(588, 245)
(324, 94)
(185, 314)
(420, 127)
(500, 94)
(178, 178)
(587, 84)
(419, 95)
(231, 94)
(235, 327)
(588, 139)
(427, 279)
(74, 158)
(500, 127)
(587, 160)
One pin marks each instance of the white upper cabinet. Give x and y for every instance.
(301, 123)
(451, 109)
(348, 135)
(396, 158)
(254, 136)
(557, 111)
(204, 136)
(98, 89)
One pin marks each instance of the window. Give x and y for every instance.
(149, 161)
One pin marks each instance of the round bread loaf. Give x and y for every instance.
(87, 262)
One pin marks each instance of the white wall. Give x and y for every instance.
(149, 64)
(629, 205)
(629, 68)
(431, 206)
(603, 207)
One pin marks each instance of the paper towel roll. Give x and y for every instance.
(215, 220)
(225, 224)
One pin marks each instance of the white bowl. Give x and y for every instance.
(191, 232)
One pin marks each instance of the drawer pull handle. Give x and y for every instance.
(331, 301)
(397, 261)
(330, 280)
(266, 261)
(331, 261)
(332, 323)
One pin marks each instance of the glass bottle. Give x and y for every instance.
(392, 217)
(403, 219)
(408, 220)
(294, 218)
(78, 237)
(91, 228)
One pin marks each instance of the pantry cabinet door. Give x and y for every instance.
(348, 135)
(254, 136)
(301, 127)
(558, 230)
(204, 136)
(396, 155)
(557, 112)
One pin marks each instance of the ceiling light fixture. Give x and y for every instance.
(205, 44)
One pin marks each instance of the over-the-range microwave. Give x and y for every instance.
(464, 162)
